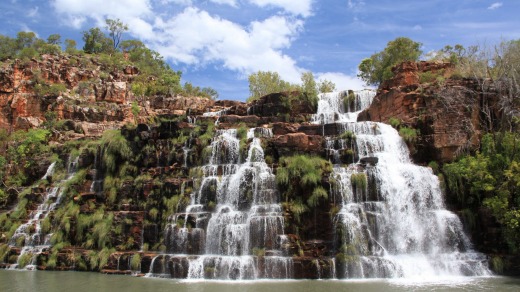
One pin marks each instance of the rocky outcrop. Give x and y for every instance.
(83, 90)
(446, 111)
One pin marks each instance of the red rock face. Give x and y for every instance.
(447, 115)
(96, 102)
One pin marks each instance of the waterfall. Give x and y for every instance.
(29, 235)
(233, 227)
(392, 221)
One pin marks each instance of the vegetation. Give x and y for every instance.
(491, 178)
(378, 67)
(262, 83)
(300, 176)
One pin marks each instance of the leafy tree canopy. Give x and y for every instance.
(378, 67)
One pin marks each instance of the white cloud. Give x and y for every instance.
(33, 12)
(355, 4)
(342, 81)
(195, 37)
(495, 5)
(78, 10)
(212, 39)
(228, 2)
(296, 7)
(180, 2)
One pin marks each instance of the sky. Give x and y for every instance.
(219, 43)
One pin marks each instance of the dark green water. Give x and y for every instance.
(76, 281)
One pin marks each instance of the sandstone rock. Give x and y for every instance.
(446, 115)
(297, 143)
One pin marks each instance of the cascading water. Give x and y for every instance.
(392, 221)
(234, 224)
(29, 235)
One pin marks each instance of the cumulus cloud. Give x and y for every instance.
(213, 39)
(495, 5)
(342, 81)
(77, 11)
(196, 38)
(228, 2)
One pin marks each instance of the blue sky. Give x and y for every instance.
(218, 43)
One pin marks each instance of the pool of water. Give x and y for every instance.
(84, 281)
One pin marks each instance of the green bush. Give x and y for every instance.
(359, 180)
(408, 134)
(491, 178)
(394, 122)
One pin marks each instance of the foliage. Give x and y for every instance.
(70, 46)
(491, 178)
(409, 135)
(115, 149)
(26, 46)
(262, 83)
(301, 175)
(359, 180)
(96, 42)
(44, 89)
(265, 82)
(378, 67)
(23, 151)
(309, 87)
(394, 122)
(135, 262)
(116, 28)
(325, 86)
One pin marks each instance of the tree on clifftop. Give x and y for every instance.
(378, 67)
(96, 42)
(116, 29)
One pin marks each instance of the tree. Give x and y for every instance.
(129, 46)
(210, 92)
(96, 42)
(265, 82)
(378, 67)
(7, 47)
(116, 28)
(325, 86)
(70, 46)
(25, 39)
(309, 85)
(54, 39)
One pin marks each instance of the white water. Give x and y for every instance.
(245, 219)
(400, 227)
(29, 235)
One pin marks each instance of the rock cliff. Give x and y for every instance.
(449, 112)
(127, 191)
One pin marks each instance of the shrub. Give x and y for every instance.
(135, 262)
(359, 180)
(408, 134)
(394, 122)
(115, 149)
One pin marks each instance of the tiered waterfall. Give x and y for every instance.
(392, 221)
